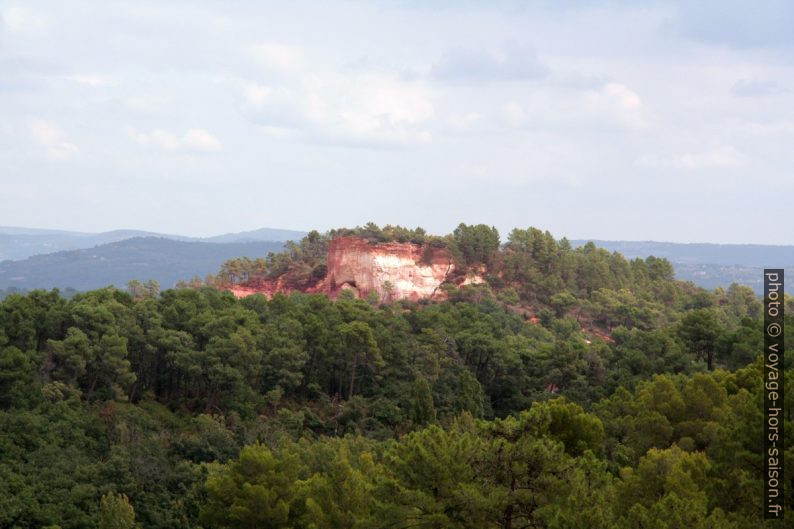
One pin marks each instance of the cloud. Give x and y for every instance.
(780, 128)
(514, 114)
(256, 95)
(755, 88)
(201, 140)
(192, 140)
(616, 102)
(277, 56)
(722, 157)
(620, 95)
(736, 23)
(147, 104)
(481, 65)
(92, 80)
(358, 108)
(618, 85)
(462, 122)
(48, 135)
(23, 21)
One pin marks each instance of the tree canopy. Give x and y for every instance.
(584, 390)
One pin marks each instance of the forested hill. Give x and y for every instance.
(711, 265)
(707, 265)
(493, 409)
(750, 255)
(144, 258)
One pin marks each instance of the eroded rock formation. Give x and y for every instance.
(268, 287)
(392, 271)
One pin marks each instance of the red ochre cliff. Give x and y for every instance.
(392, 271)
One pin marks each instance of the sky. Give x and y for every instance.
(620, 120)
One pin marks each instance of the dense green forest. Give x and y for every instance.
(575, 389)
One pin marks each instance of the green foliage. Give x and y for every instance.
(476, 245)
(340, 497)
(256, 491)
(431, 480)
(374, 234)
(699, 330)
(16, 375)
(304, 260)
(632, 400)
(115, 512)
(139, 290)
(361, 350)
(423, 411)
(578, 431)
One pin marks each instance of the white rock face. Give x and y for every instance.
(392, 270)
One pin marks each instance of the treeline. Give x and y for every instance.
(375, 234)
(5, 292)
(306, 260)
(531, 267)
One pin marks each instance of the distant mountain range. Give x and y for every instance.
(712, 265)
(21, 243)
(144, 258)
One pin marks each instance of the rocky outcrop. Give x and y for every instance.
(283, 284)
(393, 271)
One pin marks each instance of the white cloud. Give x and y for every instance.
(91, 80)
(164, 140)
(280, 133)
(192, 140)
(620, 85)
(722, 157)
(616, 102)
(201, 140)
(625, 98)
(48, 135)
(24, 21)
(277, 56)
(364, 107)
(477, 64)
(557, 106)
(464, 121)
(736, 23)
(256, 95)
(514, 114)
(147, 104)
(755, 87)
(777, 128)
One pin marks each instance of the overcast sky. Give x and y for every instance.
(666, 120)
